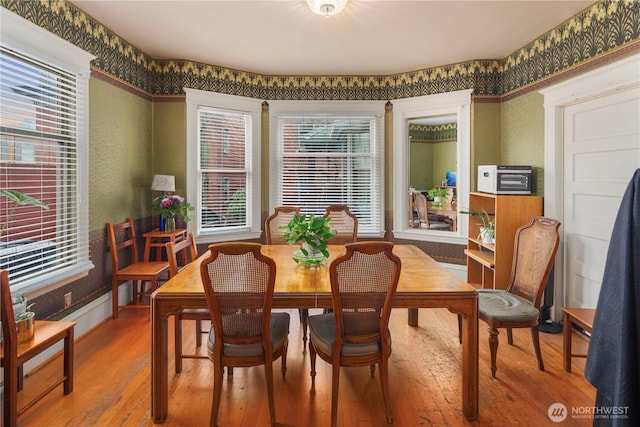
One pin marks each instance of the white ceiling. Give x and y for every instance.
(283, 37)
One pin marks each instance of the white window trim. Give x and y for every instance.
(251, 106)
(370, 108)
(459, 103)
(31, 40)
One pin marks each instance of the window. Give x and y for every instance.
(43, 153)
(330, 156)
(223, 145)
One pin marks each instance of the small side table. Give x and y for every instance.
(582, 317)
(157, 239)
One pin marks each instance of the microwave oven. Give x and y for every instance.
(504, 179)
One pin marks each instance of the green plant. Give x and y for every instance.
(438, 192)
(20, 309)
(18, 199)
(487, 224)
(312, 233)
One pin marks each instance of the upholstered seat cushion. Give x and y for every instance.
(322, 329)
(500, 305)
(279, 333)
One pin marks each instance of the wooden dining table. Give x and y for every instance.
(423, 284)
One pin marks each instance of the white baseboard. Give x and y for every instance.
(457, 269)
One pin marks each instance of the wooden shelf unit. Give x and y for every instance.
(489, 265)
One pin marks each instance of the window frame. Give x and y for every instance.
(253, 107)
(324, 109)
(30, 40)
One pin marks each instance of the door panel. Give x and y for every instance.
(601, 152)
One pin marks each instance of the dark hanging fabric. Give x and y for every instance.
(613, 359)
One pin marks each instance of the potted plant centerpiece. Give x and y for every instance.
(439, 195)
(312, 233)
(487, 225)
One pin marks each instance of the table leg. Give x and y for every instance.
(412, 317)
(470, 361)
(567, 329)
(159, 364)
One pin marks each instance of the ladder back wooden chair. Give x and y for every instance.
(13, 354)
(126, 265)
(239, 283)
(535, 248)
(356, 333)
(180, 254)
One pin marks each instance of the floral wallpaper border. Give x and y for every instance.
(603, 28)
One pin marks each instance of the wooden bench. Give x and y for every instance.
(581, 317)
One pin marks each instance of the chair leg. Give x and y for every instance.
(114, 298)
(178, 343)
(217, 392)
(536, 346)
(268, 375)
(493, 346)
(384, 383)
(304, 321)
(198, 333)
(335, 386)
(284, 359)
(510, 336)
(312, 358)
(10, 403)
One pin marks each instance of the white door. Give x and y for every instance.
(601, 152)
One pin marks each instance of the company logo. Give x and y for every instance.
(557, 412)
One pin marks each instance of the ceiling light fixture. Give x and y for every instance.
(326, 8)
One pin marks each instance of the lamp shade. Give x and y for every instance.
(164, 183)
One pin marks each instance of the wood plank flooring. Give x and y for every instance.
(112, 382)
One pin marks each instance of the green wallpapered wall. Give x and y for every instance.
(485, 137)
(170, 142)
(421, 165)
(119, 133)
(522, 130)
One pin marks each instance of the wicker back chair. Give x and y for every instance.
(356, 333)
(535, 248)
(344, 222)
(281, 216)
(423, 215)
(238, 283)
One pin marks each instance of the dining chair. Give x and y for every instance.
(274, 233)
(344, 222)
(126, 266)
(518, 306)
(239, 283)
(356, 333)
(13, 354)
(179, 255)
(280, 217)
(423, 215)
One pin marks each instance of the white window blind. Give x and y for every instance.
(330, 160)
(224, 141)
(42, 113)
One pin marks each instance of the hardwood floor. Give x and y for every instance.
(112, 382)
